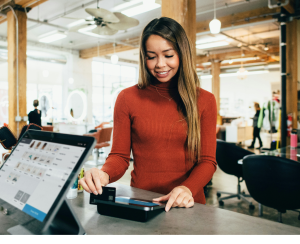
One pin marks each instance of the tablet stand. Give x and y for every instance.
(65, 222)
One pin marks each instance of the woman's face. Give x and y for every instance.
(162, 60)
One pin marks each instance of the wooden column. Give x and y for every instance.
(184, 12)
(12, 68)
(291, 70)
(215, 84)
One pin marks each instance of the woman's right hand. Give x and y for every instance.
(93, 181)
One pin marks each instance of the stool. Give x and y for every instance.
(103, 137)
(47, 128)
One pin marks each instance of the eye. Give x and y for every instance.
(150, 57)
(169, 56)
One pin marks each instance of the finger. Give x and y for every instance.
(84, 185)
(179, 199)
(97, 180)
(184, 201)
(90, 183)
(190, 204)
(171, 201)
(163, 198)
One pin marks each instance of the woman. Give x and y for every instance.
(160, 120)
(35, 115)
(256, 130)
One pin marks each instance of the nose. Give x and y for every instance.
(160, 62)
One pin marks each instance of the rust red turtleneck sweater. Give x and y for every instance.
(146, 121)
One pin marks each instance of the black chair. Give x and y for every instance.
(227, 157)
(273, 182)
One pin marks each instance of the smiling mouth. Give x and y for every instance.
(162, 73)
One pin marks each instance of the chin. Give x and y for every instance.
(166, 79)
(163, 80)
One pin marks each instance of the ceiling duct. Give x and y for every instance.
(5, 3)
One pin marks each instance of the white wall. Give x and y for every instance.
(242, 93)
(81, 71)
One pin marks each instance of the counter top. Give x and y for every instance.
(200, 219)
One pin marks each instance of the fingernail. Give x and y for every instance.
(100, 192)
(95, 192)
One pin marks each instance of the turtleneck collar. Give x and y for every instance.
(164, 86)
(169, 88)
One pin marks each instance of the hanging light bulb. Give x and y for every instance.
(242, 73)
(266, 48)
(71, 80)
(215, 24)
(114, 59)
(230, 61)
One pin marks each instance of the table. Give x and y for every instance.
(200, 219)
(286, 152)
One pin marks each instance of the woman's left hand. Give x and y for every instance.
(180, 196)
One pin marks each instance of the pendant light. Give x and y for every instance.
(114, 58)
(242, 72)
(215, 24)
(71, 80)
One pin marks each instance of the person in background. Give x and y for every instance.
(256, 130)
(71, 112)
(35, 115)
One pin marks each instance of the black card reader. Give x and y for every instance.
(125, 207)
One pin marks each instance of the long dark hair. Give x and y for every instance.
(187, 81)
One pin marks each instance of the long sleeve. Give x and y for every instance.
(118, 160)
(202, 172)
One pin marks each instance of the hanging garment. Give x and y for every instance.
(261, 117)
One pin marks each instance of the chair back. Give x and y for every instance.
(273, 181)
(227, 157)
(105, 134)
(47, 127)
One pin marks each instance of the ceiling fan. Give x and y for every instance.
(108, 23)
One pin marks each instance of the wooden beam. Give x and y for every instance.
(290, 7)
(109, 48)
(215, 84)
(291, 70)
(184, 12)
(242, 18)
(12, 69)
(24, 3)
(2, 20)
(235, 54)
(29, 3)
(262, 59)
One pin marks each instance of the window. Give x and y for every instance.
(108, 80)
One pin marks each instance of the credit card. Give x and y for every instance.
(108, 194)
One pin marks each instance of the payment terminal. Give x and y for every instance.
(110, 204)
(36, 178)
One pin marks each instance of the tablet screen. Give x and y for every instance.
(36, 171)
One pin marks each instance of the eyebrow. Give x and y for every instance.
(162, 51)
